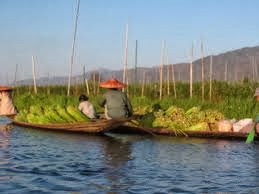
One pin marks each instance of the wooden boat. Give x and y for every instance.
(93, 126)
(171, 132)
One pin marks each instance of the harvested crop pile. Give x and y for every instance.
(51, 114)
(176, 118)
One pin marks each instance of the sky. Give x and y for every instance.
(44, 29)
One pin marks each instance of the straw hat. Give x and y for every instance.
(112, 83)
(257, 92)
(5, 88)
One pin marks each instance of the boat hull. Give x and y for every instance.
(171, 132)
(95, 126)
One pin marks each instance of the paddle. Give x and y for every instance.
(251, 135)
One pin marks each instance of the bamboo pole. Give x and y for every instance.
(173, 79)
(226, 71)
(136, 62)
(202, 72)
(253, 68)
(162, 70)
(87, 86)
(256, 70)
(86, 82)
(135, 70)
(15, 75)
(168, 75)
(99, 81)
(33, 75)
(210, 92)
(143, 83)
(48, 87)
(15, 79)
(127, 81)
(73, 50)
(125, 56)
(94, 88)
(76, 87)
(191, 58)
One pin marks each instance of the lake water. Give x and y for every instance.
(34, 161)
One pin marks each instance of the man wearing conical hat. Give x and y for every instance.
(116, 102)
(6, 103)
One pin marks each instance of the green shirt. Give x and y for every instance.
(118, 104)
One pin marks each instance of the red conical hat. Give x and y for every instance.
(5, 88)
(112, 83)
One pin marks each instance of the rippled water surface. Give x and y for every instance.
(33, 161)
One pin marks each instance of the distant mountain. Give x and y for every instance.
(231, 65)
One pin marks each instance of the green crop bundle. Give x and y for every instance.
(199, 127)
(21, 116)
(76, 114)
(163, 121)
(63, 114)
(35, 109)
(193, 110)
(32, 118)
(53, 116)
(42, 119)
(212, 116)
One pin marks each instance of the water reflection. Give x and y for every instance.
(5, 130)
(45, 161)
(117, 154)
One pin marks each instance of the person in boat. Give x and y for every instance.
(86, 107)
(115, 102)
(6, 103)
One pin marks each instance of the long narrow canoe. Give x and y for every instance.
(171, 132)
(94, 126)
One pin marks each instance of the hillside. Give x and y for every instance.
(232, 65)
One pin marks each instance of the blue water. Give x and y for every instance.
(36, 161)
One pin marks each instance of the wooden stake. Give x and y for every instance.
(84, 76)
(73, 50)
(87, 86)
(125, 56)
(15, 75)
(33, 75)
(99, 81)
(86, 82)
(173, 79)
(136, 62)
(191, 72)
(15, 80)
(94, 84)
(210, 94)
(202, 72)
(226, 71)
(256, 70)
(253, 68)
(168, 75)
(48, 87)
(162, 70)
(143, 83)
